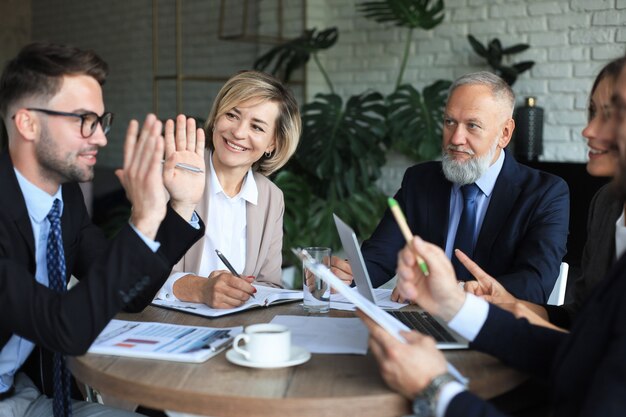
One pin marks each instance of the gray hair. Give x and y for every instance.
(499, 88)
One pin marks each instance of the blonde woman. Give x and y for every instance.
(254, 126)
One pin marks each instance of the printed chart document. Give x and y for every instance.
(392, 325)
(383, 300)
(264, 297)
(326, 334)
(170, 342)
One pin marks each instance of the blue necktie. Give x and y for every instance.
(464, 239)
(55, 257)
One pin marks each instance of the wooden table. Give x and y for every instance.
(327, 385)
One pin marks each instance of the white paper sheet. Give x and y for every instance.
(326, 334)
(382, 295)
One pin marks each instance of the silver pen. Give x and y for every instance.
(187, 167)
(221, 344)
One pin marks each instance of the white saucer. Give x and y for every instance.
(298, 356)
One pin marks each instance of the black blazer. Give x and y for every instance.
(522, 239)
(598, 254)
(586, 368)
(113, 275)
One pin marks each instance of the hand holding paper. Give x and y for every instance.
(406, 367)
(392, 326)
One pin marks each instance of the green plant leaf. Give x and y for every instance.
(342, 146)
(414, 119)
(425, 14)
(478, 47)
(520, 47)
(308, 218)
(508, 74)
(294, 54)
(523, 66)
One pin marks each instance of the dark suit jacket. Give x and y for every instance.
(124, 272)
(598, 253)
(522, 239)
(586, 368)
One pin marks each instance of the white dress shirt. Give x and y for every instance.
(225, 231)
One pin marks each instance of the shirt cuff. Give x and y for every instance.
(446, 394)
(471, 317)
(167, 290)
(152, 244)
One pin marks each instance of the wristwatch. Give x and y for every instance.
(425, 404)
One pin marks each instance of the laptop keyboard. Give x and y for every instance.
(423, 323)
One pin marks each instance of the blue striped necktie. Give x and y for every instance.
(55, 257)
(464, 238)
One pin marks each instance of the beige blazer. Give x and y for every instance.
(264, 234)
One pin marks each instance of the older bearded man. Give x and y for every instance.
(511, 219)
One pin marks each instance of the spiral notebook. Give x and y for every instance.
(264, 297)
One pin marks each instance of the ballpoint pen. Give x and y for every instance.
(228, 265)
(406, 231)
(187, 167)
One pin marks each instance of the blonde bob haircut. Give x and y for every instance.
(253, 86)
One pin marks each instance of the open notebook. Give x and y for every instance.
(264, 297)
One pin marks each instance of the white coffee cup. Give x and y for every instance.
(265, 343)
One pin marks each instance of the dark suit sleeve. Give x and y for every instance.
(535, 266)
(467, 404)
(173, 247)
(607, 385)
(517, 343)
(380, 251)
(117, 273)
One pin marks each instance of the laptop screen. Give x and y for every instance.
(353, 252)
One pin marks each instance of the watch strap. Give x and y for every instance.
(429, 395)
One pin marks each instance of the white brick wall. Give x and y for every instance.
(570, 41)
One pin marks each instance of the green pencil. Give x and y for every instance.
(404, 227)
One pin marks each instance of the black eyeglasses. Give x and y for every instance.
(88, 121)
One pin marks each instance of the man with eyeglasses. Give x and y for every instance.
(51, 103)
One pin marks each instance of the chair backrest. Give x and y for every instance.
(557, 297)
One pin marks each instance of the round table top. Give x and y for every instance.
(326, 385)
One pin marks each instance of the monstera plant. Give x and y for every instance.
(414, 119)
(344, 141)
(411, 14)
(334, 170)
(294, 54)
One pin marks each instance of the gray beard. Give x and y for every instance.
(467, 172)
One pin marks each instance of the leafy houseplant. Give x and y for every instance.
(343, 143)
(413, 118)
(494, 53)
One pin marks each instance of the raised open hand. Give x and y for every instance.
(184, 144)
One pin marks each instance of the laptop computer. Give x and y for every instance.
(421, 320)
